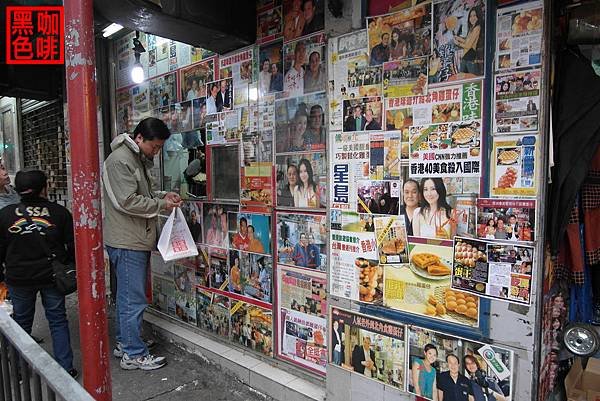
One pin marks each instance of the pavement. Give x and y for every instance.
(186, 376)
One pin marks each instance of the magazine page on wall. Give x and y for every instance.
(304, 66)
(517, 101)
(514, 169)
(367, 346)
(506, 219)
(213, 312)
(459, 34)
(270, 77)
(301, 18)
(302, 240)
(300, 124)
(438, 363)
(301, 319)
(193, 79)
(301, 180)
(519, 35)
(252, 327)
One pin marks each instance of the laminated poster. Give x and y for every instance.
(390, 233)
(493, 270)
(302, 240)
(302, 324)
(384, 156)
(304, 66)
(443, 105)
(348, 52)
(458, 26)
(349, 163)
(448, 150)
(405, 77)
(400, 35)
(301, 180)
(487, 369)
(213, 312)
(519, 35)
(506, 219)
(517, 101)
(252, 327)
(355, 272)
(250, 232)
(238, 66)
(423, 286)
(269, 24)
(193, 79)
(514, 166)
(251, 276)
(354, 336)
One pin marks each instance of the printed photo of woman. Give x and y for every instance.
(424, 373)
(434, 218)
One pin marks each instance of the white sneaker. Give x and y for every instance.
(147, 362)
(118, 350)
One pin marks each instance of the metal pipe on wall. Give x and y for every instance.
(80, 63)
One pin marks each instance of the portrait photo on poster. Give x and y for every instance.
(300, 123)
(193, 79)
(270, 77)
(304, 66)
(458, 41)
(371, 347)
(440, 366)
(219, 270)
(301, 180)
(250, 232)
(506, 219)
(302, 240)
(219, 96)
(215, 225)
(362, 114)
(400, 35)
(302, 17)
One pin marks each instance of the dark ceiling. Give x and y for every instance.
(220, 26)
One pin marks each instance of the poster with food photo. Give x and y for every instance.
(458, 41)
(392, 243)
(302, 240)
(449, 150)
(405, 77)
(349, 163)
(506, 219)
(519, 35)
(355, 272)
(423, 286)
(384, 156)
(300, 123)
(371, 347)
(514, 171)
(434, 358)
(400, 35)
(500, 271)
(517, 101)
(252, 327)
(256, 169)
(302, 324)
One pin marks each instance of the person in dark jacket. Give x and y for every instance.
(27, 267)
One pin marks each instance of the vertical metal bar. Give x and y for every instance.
(5, 368)
(83, 132)
(50, 392)
(37, 387)
(2, 382)
(14, 361)
(25, 385)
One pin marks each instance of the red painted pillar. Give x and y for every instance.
(85, 171)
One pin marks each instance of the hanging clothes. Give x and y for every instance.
(576, 137)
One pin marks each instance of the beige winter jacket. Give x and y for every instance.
(130, 206)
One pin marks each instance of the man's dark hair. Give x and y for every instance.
(30, 183)
(452, 356)
(308, 1)
(383, 34)
(243, 220)
(152, 128)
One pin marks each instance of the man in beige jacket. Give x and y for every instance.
(130, 232)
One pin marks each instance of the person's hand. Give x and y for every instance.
(173, 200)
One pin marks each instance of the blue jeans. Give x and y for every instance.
(24, 299)
(132, 271)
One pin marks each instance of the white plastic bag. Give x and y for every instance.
(176, 240)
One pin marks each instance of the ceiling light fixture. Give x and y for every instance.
(111, 30)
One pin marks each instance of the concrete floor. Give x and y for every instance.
(186, 377)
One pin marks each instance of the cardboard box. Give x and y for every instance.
(583, 385)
